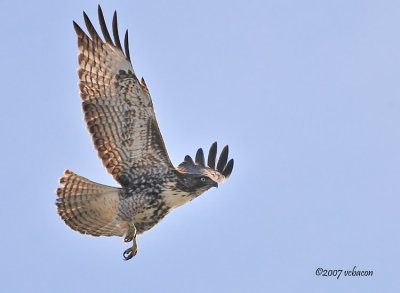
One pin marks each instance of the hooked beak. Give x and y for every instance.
(215, 184)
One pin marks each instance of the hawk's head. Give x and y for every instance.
(199, 177)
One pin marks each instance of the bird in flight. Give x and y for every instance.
(120, 117)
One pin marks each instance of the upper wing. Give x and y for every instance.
(118, 108)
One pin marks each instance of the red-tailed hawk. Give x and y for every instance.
(120, 118)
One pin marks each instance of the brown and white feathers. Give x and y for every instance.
(118, 108)
(120, 117)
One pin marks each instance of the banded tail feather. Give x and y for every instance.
(89, 207)
(121, 120)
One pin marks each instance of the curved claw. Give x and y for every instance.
(131, 233)
(128, 238)
(130, 252)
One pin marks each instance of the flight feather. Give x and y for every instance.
(118, 108)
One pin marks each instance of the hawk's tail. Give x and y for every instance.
(89, 207)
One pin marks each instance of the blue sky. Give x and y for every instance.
(306, 94)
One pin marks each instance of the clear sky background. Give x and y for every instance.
(306, 94)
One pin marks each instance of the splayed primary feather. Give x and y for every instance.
(120, 117)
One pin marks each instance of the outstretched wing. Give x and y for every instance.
(118, 108)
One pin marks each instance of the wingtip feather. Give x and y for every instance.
(126, 44)
(77, 28)
(200, 157)
(228, 169)
(188, 159)
(103, 26)
(223, 158)
(212, 155)
(92, 31)
(115, 31)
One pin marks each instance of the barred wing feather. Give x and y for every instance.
(118, 108)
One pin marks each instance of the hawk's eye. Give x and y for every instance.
(203, 179)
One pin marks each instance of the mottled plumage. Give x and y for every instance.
(120, 117)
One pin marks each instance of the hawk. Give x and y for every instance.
(120, 117)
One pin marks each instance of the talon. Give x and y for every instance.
(128, 238)
(131, 233)
(131, 236)
(130, 252)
